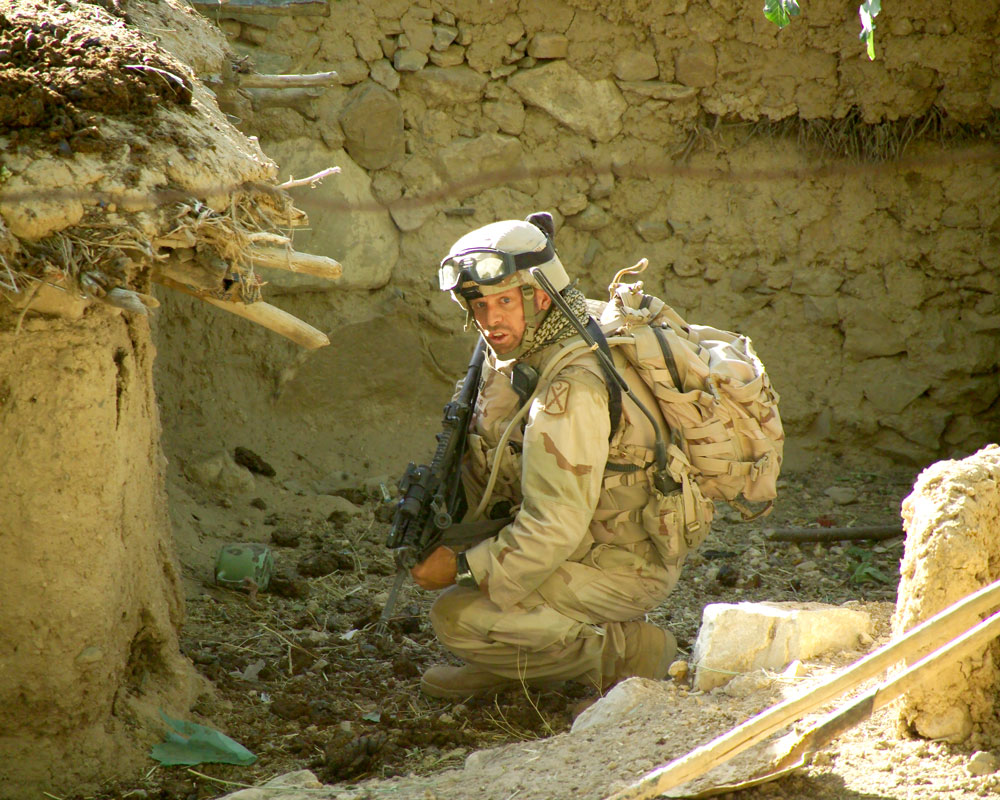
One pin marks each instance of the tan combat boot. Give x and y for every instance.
(458, 683)
(649, 652)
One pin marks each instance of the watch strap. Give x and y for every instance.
(463, 573)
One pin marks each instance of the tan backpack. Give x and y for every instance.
(713, 391)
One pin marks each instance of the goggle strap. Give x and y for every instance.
(526, 260)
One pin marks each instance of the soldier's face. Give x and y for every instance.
(501, 317)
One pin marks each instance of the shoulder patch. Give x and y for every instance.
(556, 397)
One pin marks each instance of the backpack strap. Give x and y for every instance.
(668, 355)
(614, 390)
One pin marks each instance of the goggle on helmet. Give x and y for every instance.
(497, 256)
(487, 266)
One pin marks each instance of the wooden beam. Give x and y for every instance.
(255, 80)
(857, 711)
(286, 7)
(293, 261)
(930, 634)
(834, 534)
(191, 272)
(264, 314)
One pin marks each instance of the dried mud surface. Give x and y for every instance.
(61, 64)
(303, 681)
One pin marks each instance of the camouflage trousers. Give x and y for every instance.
(570, 628)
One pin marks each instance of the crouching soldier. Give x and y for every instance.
(561, 591)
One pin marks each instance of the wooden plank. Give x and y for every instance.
(932, 633)
(286, 7)
(264, 314)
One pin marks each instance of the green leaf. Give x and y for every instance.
(868, 10)
(866, 571)
(780, 12)
(860, 553)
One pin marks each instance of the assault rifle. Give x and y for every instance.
(432, 495)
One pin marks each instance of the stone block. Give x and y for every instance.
(653, 230)
(384, 75)
(593, 108)
(592, 218)
(890, 385)
(633, 65)
(867, 332)
(696, 65)
(509, 116)
(351, 71)
(659, 90)
(372, 121)
(447, 86)
(444, 36)
(449, 57)
(408, 59)
(221, 473)
(618, 704)
(744, 637)
(572, 203)
(416, 23)
(548, 45)
(466, 160)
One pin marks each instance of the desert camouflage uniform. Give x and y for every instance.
(576, 562)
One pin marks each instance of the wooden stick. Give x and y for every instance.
(834, 534)
(270, 317)
(293, 261)
(191, 272)
(267, 238)
(256, 80)
(931, 633)
(845, 718)
(312, 180)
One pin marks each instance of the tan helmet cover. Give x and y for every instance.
(514, 236)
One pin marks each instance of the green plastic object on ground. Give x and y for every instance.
(195, 744)
(237, 564)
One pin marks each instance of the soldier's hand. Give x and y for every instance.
(437, 570)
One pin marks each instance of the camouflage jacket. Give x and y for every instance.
(553, 473)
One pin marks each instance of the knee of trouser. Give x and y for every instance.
(448, 611)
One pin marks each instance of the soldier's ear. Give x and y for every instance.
(542, 300)
(543, 221)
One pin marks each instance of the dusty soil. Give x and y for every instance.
(62, 63)
(299, 675)
(303, 681)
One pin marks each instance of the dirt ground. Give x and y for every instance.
(304, 682)
(297, 672)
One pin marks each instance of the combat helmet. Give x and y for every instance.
(497, 257)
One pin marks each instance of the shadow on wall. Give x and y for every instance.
(368, 403)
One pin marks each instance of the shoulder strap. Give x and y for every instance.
(614, 390)
(668, 356)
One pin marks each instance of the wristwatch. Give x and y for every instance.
(463, 574)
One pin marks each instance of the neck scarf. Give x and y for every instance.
(556, 327)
